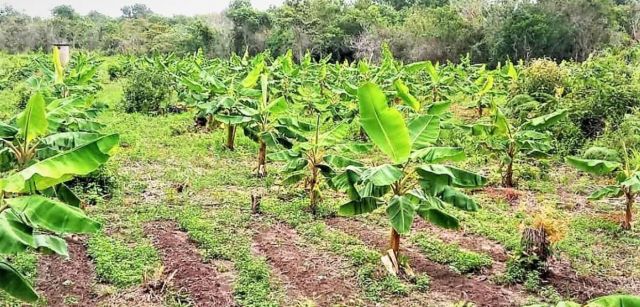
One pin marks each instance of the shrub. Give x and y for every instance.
(147, 91)
(115, 71)
(543, 77)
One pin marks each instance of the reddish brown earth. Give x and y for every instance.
(185, 269)
(307, 274)
(443, 281)
(67, 282)
(581, 288)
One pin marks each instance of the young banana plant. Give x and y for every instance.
(36, 208)
(484, 86)
(268, 127)
(413, 181)
(311, 162)
(626, 171)
(510, 142)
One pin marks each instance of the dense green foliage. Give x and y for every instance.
(386, 140)
(488, 31)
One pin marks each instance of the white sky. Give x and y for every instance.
(43, 8)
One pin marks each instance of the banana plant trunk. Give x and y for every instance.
(626, 224)
(507, 181)
(231, 136)
(313, 192)
(394, 242)
(507, 178)
(262, 159)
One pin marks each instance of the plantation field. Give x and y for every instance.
(175, 203)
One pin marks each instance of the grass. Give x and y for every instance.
(121, 264)
(460, 260)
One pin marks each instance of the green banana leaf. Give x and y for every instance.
(433, 212)
(360, 206)
(598, 167)
(7, 131)
(15, 236)
(606, 192)
(424, 131)
(403, 93)
(51, 244)
(32, 122)
(385, 126)
(383, 175)
(458, 199)
(15, 284)
(53, 215)
(401, 212)
(439, 108)
(62, 167)
(545, 121)
(615, 301)
(438, 154)
(450, 176)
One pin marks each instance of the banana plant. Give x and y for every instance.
(79, 78)
(414, 180)
(43, 130)
(440, 82)
(483, 86)
(36, 208)
(509, 142)
(626, 171)
(312, 162)
(267, 125)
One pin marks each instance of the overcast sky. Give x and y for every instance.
(43, 8)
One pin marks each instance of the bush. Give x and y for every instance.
(115, 71)
(96, 186)
(147, 91)
(543, 77)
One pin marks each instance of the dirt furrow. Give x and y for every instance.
(67, 282)
(443, 280)
(307, 274)
(185, 269)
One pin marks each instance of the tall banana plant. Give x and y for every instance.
(413, 181)
(510, 142)
(36, 208)
(626, 171)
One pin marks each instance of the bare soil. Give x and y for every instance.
(185, 269)
(67, 282)
(457, 287)
(307, 274)
(581, 288)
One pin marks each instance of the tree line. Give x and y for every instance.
(484, 30)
